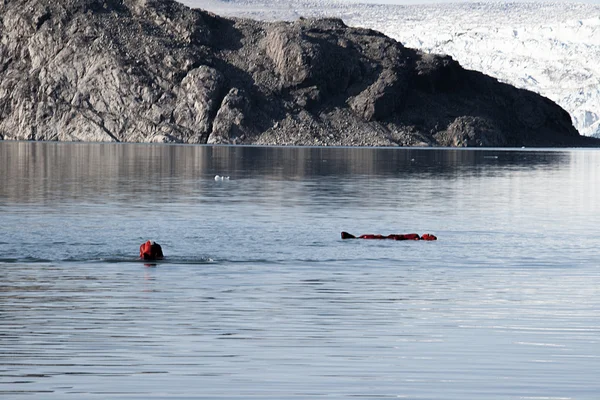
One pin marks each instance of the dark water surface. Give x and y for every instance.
(260, 298)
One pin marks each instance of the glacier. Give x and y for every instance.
(549, 48)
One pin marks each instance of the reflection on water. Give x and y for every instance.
(36, 171)
(258, 296)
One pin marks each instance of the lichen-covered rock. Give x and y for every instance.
(291, 56)
(197, 102)
(157, 71)
(310, 53)
(228, 126)
(382, 98)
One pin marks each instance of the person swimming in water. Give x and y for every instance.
(151, 251)
(406, 236)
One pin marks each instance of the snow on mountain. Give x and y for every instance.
(550, 48)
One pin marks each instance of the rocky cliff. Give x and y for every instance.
(157, 71)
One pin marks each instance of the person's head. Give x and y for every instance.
(428, 236)
(151, 251)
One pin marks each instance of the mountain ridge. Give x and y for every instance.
(551, 48)
(158, 71)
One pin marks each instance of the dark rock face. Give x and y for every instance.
(471, 132)
(157, 71)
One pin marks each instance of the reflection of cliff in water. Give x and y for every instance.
(35, 171)
(392, 162)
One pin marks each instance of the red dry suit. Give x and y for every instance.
(406, 236)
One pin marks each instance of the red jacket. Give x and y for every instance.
(151, 251)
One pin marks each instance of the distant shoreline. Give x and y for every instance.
(160, 72)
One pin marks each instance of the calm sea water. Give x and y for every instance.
(259, 298)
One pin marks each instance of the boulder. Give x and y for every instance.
(471, 132)
(381, 99)
(198, 97)
(228, 126)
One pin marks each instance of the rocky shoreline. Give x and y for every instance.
(158, 71)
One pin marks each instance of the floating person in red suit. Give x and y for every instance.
(405, 236)
(151, 251)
